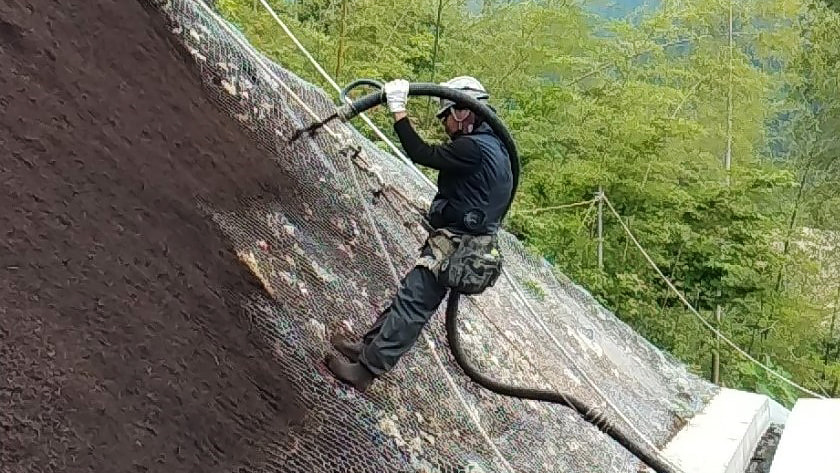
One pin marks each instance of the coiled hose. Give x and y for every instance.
(591, 415)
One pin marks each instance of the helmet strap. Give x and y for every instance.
(463, 120)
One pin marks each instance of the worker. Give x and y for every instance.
(474, 186)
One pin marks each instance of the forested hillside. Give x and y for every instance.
(649, 108)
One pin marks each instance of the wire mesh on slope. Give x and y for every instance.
(318, 256)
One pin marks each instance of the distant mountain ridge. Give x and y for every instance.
(618, 8)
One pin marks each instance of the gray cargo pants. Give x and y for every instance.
(398, 327)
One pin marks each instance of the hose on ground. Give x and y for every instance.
(464, 101)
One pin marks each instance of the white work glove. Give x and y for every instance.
(396, 92)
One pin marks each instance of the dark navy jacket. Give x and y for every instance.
(474, 179)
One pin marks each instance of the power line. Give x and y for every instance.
(555, 207)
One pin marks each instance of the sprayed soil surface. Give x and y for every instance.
(122, 347)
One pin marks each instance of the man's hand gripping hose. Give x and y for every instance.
(349, 110)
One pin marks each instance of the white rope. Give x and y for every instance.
(556, 207)
(245, 46)
(332, 82)
(697, 314)
(506, 274)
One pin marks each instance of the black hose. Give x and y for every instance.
(593, 416)
(356, 83)
(348, 111)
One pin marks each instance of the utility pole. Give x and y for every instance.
(728, 165)
(716, 353)
(601, 228)
(830, 335)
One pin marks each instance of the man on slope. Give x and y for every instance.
(474, 186)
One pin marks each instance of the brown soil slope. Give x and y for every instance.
(118, 348)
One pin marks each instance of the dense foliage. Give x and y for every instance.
(648, 108)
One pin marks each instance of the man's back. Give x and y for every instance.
(473, 201)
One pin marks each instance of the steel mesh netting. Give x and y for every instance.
(318, 255)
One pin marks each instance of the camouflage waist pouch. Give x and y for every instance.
(468, 264)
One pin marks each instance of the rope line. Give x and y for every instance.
(556, 207)
(262, 65)
(332, 82)
(697, 314)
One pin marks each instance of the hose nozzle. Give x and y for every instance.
(314, 127)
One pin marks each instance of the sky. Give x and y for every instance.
(617, 8)
(606, 8)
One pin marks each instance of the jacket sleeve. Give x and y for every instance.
(460, 155)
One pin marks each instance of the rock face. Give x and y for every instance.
(147, 151)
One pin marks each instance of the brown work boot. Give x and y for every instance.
(352, 350)
(354, 374)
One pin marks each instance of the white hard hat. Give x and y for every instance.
(469, 85)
